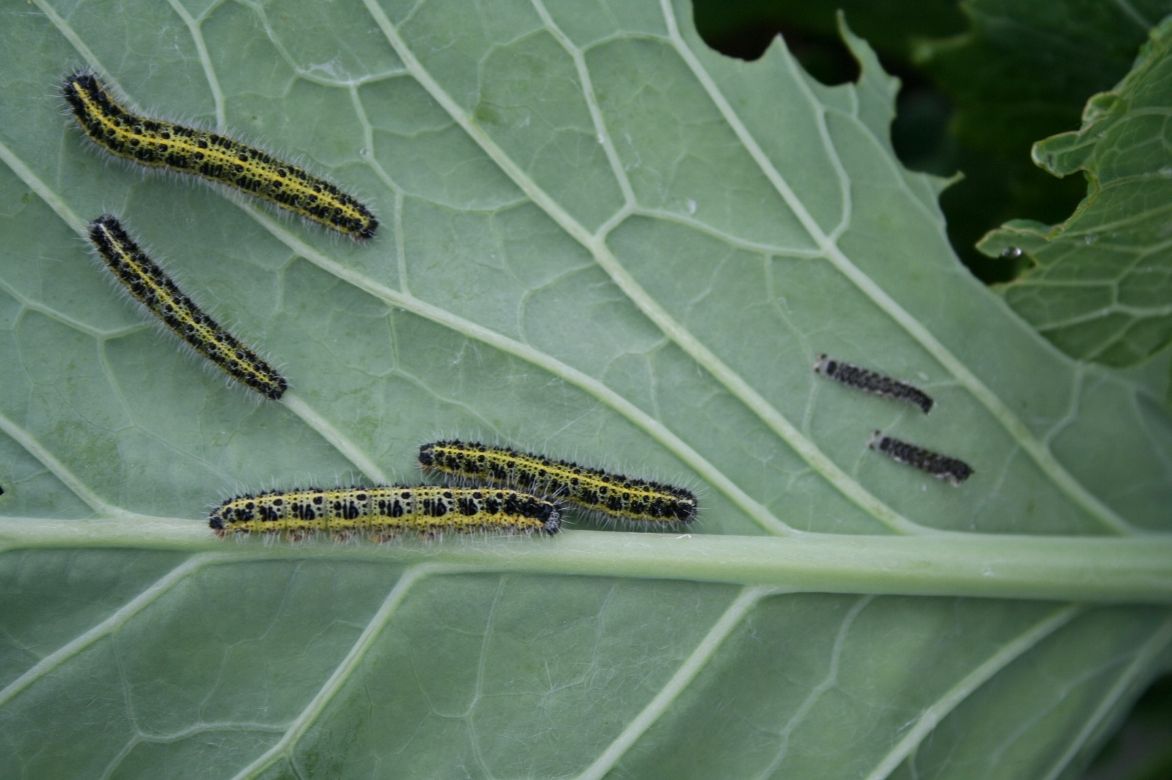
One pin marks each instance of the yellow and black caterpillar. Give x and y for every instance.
(386, 511)
(162, 297)
(639, 500)
(161, 144)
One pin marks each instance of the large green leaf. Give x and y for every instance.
(599, 239)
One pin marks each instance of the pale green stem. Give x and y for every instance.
(1060, 568)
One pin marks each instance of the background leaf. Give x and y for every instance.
(601, 240)
(1102, 282)
(964, 105)
(1018, 73)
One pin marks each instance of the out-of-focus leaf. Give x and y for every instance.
(1101, 286)
(1024, 72)
(1024, 69)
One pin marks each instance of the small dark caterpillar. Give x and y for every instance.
(386, 511)
(161, 144)
(163, 298)
(593, 489)
(950, 469)
(872, 382)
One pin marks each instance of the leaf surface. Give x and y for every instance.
(600, 240)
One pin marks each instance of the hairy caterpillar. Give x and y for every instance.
(944, 467)
(385, 511)
(161, 144)
(872, 382)
(155, 290)
(593, 489)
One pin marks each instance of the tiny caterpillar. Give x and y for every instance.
(872, 382)
(160, 144)
(950, 469)
(386, 511)
(155, 290)
(593, 489)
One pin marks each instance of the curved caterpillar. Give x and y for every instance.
(592, 489)
(872, 382)
(163, 298)
(952, 470)
(160, 144)
(386, 511)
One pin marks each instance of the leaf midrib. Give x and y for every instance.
(1104, 569)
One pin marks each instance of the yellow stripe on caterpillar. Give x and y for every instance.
(160, 144)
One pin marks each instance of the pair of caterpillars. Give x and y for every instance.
(159, 144)
(524, 497)
(950, 469)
